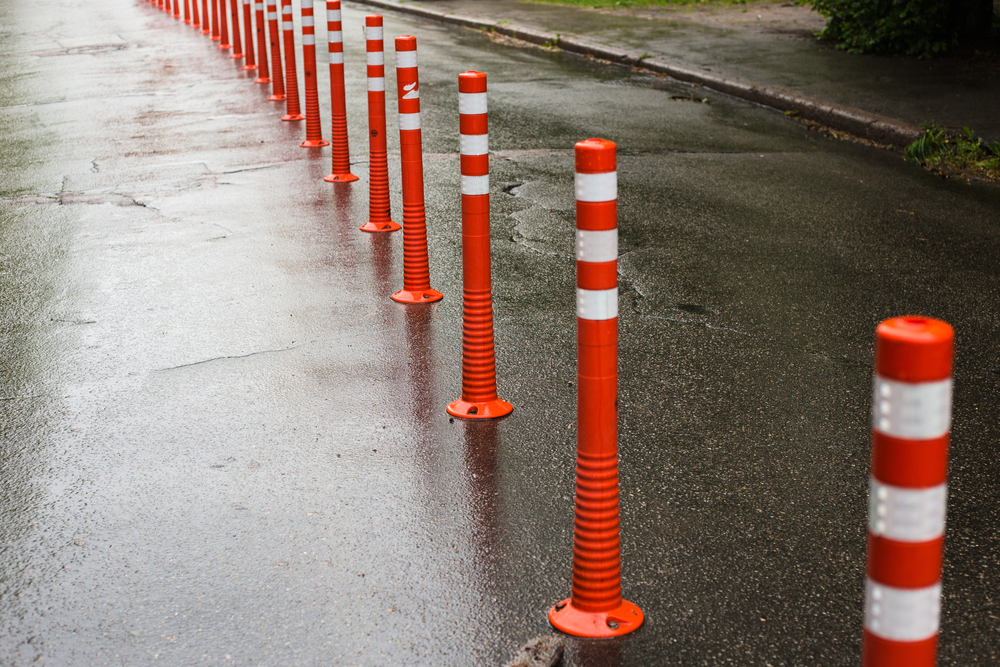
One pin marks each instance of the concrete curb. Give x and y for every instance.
(874, 127)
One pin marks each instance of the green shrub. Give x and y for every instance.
(914, 27)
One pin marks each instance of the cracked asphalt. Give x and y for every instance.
(223, 443)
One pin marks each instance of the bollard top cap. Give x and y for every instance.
(333, 4)
(914, 349)
(373, 20)
(472, 82)
(595, 156)
(406, 43)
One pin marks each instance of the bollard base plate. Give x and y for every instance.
(276, 98)
(342, 178)
(249, 67)
(236, 55)
(293, 116)
(389, 226)
(262, 79)
(417, 296)
(314, 143)
(622, 620)
(486, 410)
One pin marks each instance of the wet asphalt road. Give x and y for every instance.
(223, 444)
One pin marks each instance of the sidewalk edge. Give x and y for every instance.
(864, 124)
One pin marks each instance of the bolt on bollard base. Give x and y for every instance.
(595, 624)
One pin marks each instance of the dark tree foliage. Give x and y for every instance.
(914, 27)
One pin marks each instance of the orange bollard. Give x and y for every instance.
(224, 26)
(206, 20)
(277, 78)
(314, 132)
(911, 423)
(216, 36)
(416, 270)
(379, 213)
(187, 11)
(251, 63)
(177, 9)
(262, 69)
(479, 378)
(596, 608)
(292, 109)
(341, 172)
(234, 23)
(195, 15)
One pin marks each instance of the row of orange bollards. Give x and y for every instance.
(914, 355)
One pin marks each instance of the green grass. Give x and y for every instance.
(959, 154)
(646, 3)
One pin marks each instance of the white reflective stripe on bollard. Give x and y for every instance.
(599, 246)
(376, 58)
(474, 144)
(911, 411)
(335, 36)
(596, 187)
(376, 83)
(373, 32)
(308, 40)
(900, 614)
(308, 21)
(597, 304)
(332, 15)
(272, 16)
(475, 185)
(337, 58)
(287, 25)
(406, 58)
(409, 121)
(472, 103)
(907, 515)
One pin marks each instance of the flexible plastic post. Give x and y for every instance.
(234, 23)
(187, 11)
(911, 423)
(224, 26)
(216, 34)
(195, 15)
(379, 213)
(177, 9)
(206, 19)
(293, 110)
(479, 378)
(341, 172)
(264, 73)
(416, 270)
(314, 129)
(277, 78)
(596, 608)
(251, 61)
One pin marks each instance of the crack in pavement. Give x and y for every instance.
(237, 356)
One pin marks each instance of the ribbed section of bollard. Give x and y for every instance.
(379, 213)
(251, 60)
(216, 35)
(224, 26)
(416, 268)
(911, 423)
(479, 382)
(274, 41)
(341, 167)
(234, 22)
(293, 109)
(206, 21)
(263, 71)
(314, 130)
(596, 608)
